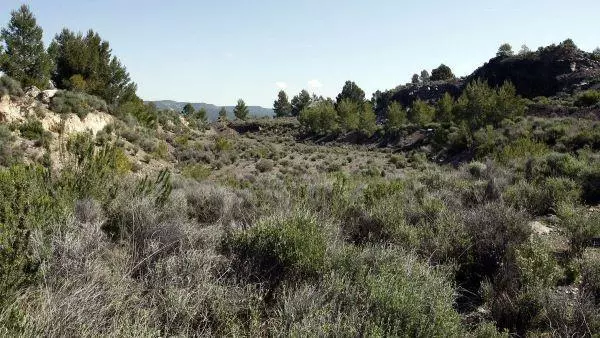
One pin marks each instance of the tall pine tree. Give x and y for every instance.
(241, 111)
(25, 58)
(282, 106)
(85, 63)
(299, 102)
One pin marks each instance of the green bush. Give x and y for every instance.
(588, 98)
(545, 197)
(280, 247)
(9, 86)
(320, 118)
(80, 104)
(9, 154)
(264, 165)
(521, 149)
(411, 300)
(590, 277)
(196, 172)
(33, 130)
(581, 226)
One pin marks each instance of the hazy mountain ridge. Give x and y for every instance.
(212, 111)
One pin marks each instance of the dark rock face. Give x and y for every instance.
(548, 72)
(427, 92)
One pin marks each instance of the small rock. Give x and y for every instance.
(32, 91)
(539, 228)
(47, 95)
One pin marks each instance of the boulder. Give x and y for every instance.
(47, 95)
(32, 91)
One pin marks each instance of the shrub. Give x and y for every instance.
(8, 154)
(545, 197)
(320, 118)
(495, 231)
(80, 104)
(33, 130)
(410, 300)
(264, 165)
(581, 226)
(590, 277)
(222, 144)
(280, 247)
(421, 113)
(9, 86)
(521, 149)
(588, 98)
(196, 172)
(206, 203)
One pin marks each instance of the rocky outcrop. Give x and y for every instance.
(427, 92)
(19, 109)
(547, 72)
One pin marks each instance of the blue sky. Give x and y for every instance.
(221, 50)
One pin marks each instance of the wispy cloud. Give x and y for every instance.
(281, 85)
(228, 55)
(315, 84)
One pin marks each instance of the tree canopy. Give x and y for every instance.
(85, 63)
(300, 101)
(442, 73)
(25, 58)
(282, 106)
(505, 50)
(352, 92)
(188, 110)
(241, 110)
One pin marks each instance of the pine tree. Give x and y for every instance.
(351, 91)
(421, 113)
(367, 120)
(241, 110)
(415, 79)
(86, 63)
(348, 111)
(505, 50)
(444, 108)
(396, 116)
(425, 77)
(223, 114)
(25, 58)
(299, 102)
(442, 73)
(188, 110)
(282, 106)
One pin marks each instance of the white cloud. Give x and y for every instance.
(315, 84)
(281, 85)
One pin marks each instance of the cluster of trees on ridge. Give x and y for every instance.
(479, 105)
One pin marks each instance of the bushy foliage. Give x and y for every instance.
(85, 63)
(421, 113)
(33, 130)
(240, 110)
(320, 118)
(480, 104)
(280, 247)
(25, 58)
(300, 102)
(80, 104)
(442, 73)
(588, 98)
(10, 86)
(282, 106)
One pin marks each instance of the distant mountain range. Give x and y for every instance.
(212, 111)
